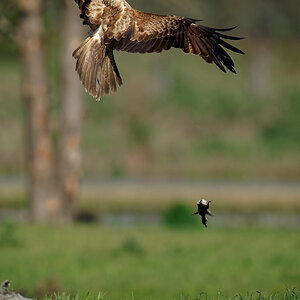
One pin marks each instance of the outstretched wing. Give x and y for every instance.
(210, 213)
(91, 12)
(144, 32)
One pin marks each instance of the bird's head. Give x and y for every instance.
(203, 202)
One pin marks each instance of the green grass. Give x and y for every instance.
(149, 262)
(287, 295)
(64, 296)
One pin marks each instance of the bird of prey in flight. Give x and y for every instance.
(203, 210)
(115, 25)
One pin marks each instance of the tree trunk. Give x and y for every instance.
(71, 112)
(45, 202)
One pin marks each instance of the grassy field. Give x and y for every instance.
(148, 262)
(287, 295)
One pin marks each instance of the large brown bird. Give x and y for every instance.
(116, 25)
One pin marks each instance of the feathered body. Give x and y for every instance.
(117, 26)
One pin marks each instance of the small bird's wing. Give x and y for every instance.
(210, 213)
(144, 32)
(91, 12)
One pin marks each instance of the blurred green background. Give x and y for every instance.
(177, 130)
(175, 115)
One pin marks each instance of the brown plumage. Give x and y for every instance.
(117, 26)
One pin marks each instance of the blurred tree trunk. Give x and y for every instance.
(45, 201)
(71, 112)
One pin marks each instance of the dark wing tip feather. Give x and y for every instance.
(229, 37)
(215, 41)
(193, 20)
(225, 29)
(230, 47)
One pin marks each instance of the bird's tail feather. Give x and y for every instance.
(96, 68)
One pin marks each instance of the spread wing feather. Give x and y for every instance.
(146, 33)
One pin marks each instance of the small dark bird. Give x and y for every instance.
(116, 26)
(203, 210)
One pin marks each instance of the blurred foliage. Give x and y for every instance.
(284, 131)
(51, 285)
(132, 246)
(9, 235)
(138, 132)
(179, 215)
(13, 200)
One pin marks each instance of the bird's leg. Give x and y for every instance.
(195, 213)
(204, 220)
